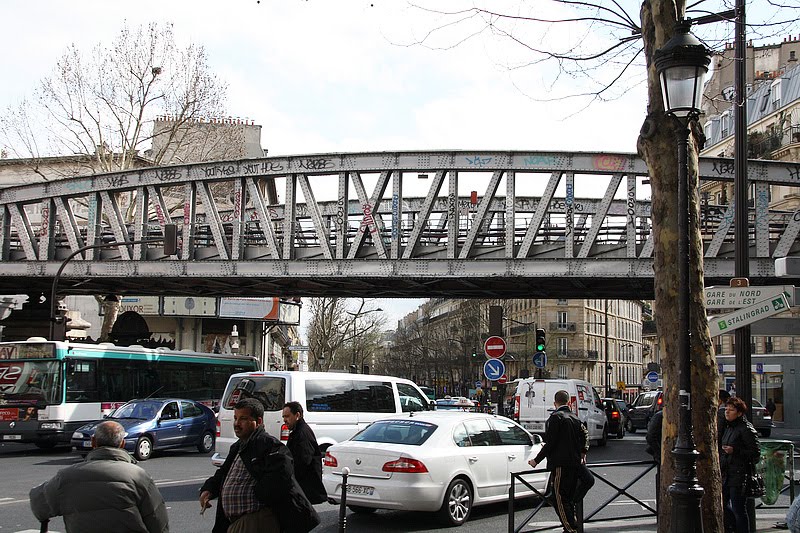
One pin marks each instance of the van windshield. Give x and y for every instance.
(270, 391)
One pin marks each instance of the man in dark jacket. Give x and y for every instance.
(256, 485)
(653, 439)
(107, 491)
(565, 442)
(305, 452)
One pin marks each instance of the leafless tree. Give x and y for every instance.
(604, 47)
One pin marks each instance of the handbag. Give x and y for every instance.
(754, 484)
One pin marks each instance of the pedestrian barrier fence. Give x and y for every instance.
(582, 518)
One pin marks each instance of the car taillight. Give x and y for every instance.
(284, 432)
(219, 428)
(329, 460)
(516, 408)
(615, 414)
(406, 465)
(660, 400)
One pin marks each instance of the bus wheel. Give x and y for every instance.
(144, 448)
(206, 443)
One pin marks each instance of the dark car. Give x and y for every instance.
(157, 424)
(623, 410)
(616, 421)
(762, 420)
(643, 408)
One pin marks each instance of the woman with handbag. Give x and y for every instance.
(738, 455)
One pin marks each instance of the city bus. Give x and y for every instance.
(48, 389)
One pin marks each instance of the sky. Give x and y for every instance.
(342, 76)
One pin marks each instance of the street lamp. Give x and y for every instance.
(353, 367)
(681, 65)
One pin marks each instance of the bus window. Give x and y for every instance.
(82, 381)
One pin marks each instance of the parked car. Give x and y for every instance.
(643, 408)
(438, 462)
(616, 422)
(156, 424)
(762, 420)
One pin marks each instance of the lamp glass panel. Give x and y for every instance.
(681, 88)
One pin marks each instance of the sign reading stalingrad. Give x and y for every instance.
(737, 297)
(747, 315)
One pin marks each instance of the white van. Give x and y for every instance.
(533, 405)
(335, 405)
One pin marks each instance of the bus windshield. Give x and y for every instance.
(30, 382)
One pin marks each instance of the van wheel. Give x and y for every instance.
(457, 503)
(604, 439)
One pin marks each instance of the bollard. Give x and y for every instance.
(343, 503)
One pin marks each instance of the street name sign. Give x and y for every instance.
(494, 347)
(738, 297)
(494, 369)
(747, 315)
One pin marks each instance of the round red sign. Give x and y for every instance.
(495, 347)
(503, 379)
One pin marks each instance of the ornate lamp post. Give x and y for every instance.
(681, 65)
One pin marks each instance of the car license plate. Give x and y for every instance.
(534, 426)
(12, 437)
(87, 444)
(360, 489)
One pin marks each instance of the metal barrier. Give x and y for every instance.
(581, 519)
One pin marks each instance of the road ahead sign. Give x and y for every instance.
(494, 347)
(738, 297)
(494, 369)
(747, 315)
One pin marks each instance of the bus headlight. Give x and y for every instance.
(57, 424)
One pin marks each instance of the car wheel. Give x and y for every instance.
(457, 503)
(631, 428)
(765, 432)
(621, 431)
(144, 448)
(206, 442)
(358, 509)
(604, 439)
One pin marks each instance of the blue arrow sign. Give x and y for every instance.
(493, 369)
(540, 359)
(652, 377)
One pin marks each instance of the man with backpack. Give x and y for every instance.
(565, 443)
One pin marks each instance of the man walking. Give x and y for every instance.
(565, 442)
(105, 492)
(305, 452)
(256, 485)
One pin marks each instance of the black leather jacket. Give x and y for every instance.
(743, 437)
(270, 463)
(307, 461)
(565, 439)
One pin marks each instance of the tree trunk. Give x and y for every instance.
(658, 147)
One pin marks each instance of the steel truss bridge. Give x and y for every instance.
(401, 224)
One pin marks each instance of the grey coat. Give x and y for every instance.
(107, 492)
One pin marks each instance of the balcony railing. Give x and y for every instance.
(578, 354)
(563, 326)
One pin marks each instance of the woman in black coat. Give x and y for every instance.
(738, 455)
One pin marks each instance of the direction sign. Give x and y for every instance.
(738, 297)
(494, 347)
(540, 359)
(652, 377)
(493, 369)
(747, 315)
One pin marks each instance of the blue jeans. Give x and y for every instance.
(735, 506)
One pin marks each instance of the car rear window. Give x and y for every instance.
(412, 432)
(270, 391)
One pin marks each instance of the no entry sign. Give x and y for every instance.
(494, 347)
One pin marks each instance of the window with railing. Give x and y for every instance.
(562, 347)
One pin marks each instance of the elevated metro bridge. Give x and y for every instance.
(401, 224)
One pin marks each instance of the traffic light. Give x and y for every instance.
(541, 340)
(474, 355)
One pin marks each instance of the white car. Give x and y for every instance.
(444, 462)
